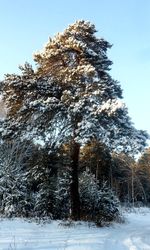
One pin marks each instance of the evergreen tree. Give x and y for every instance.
(15, 199)
(70, 97)
(62, 195)
(41, 176)
(97, 204)
(77, 60)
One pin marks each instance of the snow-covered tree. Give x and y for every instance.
(14, 196)
(41, 176)
(70, 97)
(62, 195)
(97, 204)
(78, 62)
(31, 103)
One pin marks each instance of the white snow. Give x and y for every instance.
(111, 106)
(134, 234)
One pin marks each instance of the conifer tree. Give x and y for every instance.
(70, 97)
(14, 196)
(78, 62)
(97, 203)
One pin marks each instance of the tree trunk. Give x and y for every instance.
(74, 186)
(132, 186)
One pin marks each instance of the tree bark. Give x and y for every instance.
(74, 186)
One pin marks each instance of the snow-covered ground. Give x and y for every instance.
(134, 234)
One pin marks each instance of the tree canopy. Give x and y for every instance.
(72, 94)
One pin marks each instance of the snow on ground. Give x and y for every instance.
(134, 234)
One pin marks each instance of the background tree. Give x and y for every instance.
(129, 179)
(143, 172)
(96, 158)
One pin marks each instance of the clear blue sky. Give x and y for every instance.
(25, 26)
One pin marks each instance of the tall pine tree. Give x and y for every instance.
(78, 62)
(71, 97)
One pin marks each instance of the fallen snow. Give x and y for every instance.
(134, 234)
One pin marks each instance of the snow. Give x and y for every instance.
(23, 235)
(111, 106)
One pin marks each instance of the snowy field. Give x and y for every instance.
(134, 234)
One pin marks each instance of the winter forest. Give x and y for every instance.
(68, 146)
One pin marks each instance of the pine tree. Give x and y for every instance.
(77, 60)
(70, 97)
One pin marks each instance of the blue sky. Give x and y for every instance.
(25, 26)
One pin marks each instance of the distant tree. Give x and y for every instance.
(144, 161)
(129, 179)
(123, 176)
(143, 172)
(96, 158)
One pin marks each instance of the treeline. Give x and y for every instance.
(34, 183)
(67, 142)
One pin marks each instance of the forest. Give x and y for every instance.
(68, 146)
